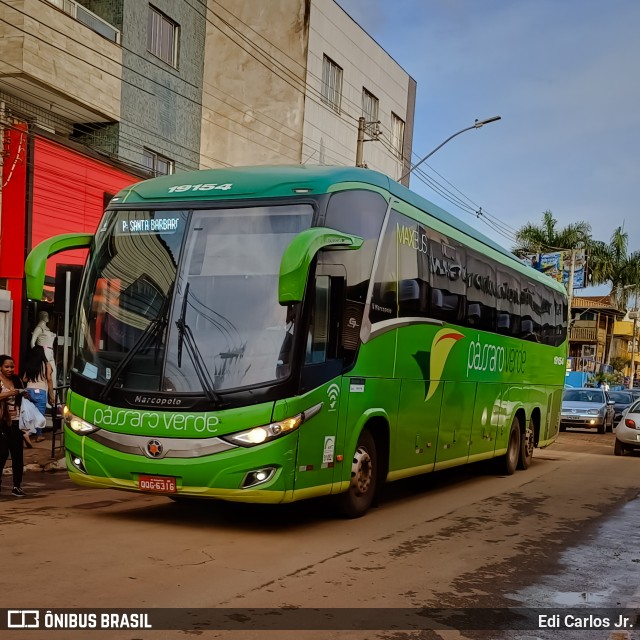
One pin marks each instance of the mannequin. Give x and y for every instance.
(43, 336)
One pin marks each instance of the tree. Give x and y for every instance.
(612, 264)
(546, 237)
(620, 364)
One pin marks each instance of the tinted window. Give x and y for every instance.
(584, 395)
(620, 396)
(360, 213)
(424, 273)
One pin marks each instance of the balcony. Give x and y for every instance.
(54, 60)
(587, 334)
(91, 20)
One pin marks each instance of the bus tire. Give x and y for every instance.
(357, 499)
(509, 461)
(527, 444)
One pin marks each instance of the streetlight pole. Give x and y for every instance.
(476, 125)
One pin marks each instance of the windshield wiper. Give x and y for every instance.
(185, 338)
(151, 330)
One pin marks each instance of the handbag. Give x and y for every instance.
(30, 418)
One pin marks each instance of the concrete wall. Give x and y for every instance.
(254, 73)
(50, 50)
(330, 138)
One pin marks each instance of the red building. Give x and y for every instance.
(48, 188)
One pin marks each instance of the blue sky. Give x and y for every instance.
(564, 76)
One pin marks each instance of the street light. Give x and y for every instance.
(476, 125)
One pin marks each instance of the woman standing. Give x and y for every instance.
(11, 392)
(38, 377)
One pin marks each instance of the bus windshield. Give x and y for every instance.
(187, 301)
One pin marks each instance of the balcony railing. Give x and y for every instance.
(587, 334)
(87, 18)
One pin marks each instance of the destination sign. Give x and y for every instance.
(149, 222)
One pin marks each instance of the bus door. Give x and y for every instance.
(321, 383)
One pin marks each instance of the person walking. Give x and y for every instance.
(38, 376)
(11, 392)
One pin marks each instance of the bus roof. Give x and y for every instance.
(273, 181)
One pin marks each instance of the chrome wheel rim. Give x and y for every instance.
(361, 471)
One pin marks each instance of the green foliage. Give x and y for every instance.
(619, 363)
(546, 237)
(611, 379)
(611, 263)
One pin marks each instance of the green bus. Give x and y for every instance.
(269, 334)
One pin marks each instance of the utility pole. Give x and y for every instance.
(572, 271)
(360, 147)
(633, 315)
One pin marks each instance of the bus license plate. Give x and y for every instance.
(161, 484)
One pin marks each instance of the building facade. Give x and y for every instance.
(96, 94)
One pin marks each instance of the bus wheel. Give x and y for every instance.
(509, 461)
(364, 467)
(527, 444)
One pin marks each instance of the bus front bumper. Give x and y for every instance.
(231, 475)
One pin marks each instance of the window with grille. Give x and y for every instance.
(157, 164)
(162, 39)
(331, 83)
(397, 134)
(370, 112)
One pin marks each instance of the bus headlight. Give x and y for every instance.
(268, 432)
(78, 425)
(265, 433)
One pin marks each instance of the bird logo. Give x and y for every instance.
(432, 362)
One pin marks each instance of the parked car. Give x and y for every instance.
(587, 408)
(622, 399)
(628, 431)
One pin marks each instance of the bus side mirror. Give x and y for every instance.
(36, 264)
(297, 258)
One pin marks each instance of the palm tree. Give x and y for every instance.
(536, 239)
(612, 264)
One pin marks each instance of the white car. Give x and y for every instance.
(628, 431)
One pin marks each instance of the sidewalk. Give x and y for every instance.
(39, 458)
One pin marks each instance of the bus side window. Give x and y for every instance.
(318, 337)
(412, 298)
(444, 305)
(504, 323)
(474, 314)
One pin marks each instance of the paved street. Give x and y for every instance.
(457, 539)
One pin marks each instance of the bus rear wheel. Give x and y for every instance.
(357, 499)
(527, 444)
(509, 461)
